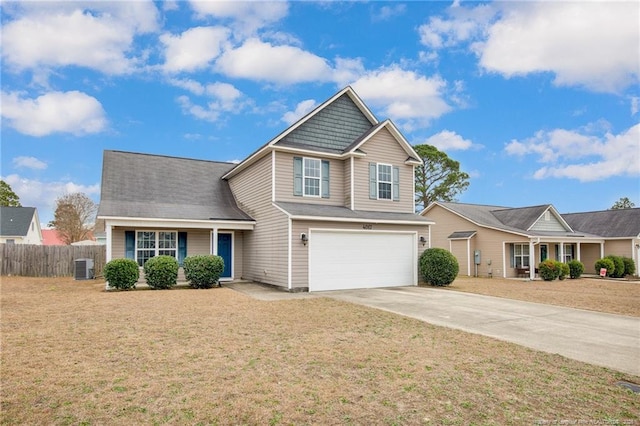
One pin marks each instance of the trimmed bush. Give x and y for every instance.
(203, 271)
(605, 263)
(576, 268)
(161, 272)
(618, 266)
(438, 267)
(564, 270)
(122, 273)
(629, 266)
(549, 269)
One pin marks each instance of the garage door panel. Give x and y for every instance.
(341, 260)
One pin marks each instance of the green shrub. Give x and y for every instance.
(564, 270)
(161, 272)
(605, 263)
(438, 267)
(203, 271)
(122, 273)
(549, 269)
(576, 268)
(618, 266)
(629, 266)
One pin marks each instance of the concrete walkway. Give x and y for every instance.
(607, 340)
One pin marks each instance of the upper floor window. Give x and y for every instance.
(384, 182)
(311, 173)
(310, 177)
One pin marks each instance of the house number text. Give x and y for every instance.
(367, 226)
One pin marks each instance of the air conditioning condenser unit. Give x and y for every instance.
(83, 269)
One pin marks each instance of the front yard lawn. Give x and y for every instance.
(74, 354)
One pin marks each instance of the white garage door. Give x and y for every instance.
(346, 260)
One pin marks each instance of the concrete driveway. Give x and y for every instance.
(607, 340)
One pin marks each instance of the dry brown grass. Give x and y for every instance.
(595, 294)
(73, 354)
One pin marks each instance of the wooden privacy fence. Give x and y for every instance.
(30, 260)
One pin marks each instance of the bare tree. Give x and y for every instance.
(74, 216)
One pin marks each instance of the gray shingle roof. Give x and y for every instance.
(320, 212)
(607, 223)
(160, 187)
(15, 221)
(520, 218)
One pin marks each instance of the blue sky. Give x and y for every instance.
(538, 101)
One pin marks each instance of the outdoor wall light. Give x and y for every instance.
(304, 238)
(423, 240)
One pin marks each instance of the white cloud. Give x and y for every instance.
(595, 44)
(403, 95)
(635, 104)
(29, 163)
(605, 155)
(100, 37)
(194, 48)
(301, 110)
(257, 60)
(387, 12)
(447, 140)
(247, 16)
(590, 44)
(224, 98)
(43, 194)
(54, 112)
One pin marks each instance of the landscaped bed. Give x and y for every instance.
(75, 354)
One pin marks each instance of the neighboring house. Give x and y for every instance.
(20, 225)
(327, 204)
(50, 237)
(510, 242)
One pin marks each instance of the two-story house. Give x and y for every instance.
(327, 204)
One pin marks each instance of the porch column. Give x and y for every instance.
(108, 230)
(532, 261)
(578, 251)
(601, 250)
(214, 241)
(561, 254)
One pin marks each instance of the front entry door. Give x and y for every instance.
(225, 250)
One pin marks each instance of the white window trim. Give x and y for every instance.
(305, 177)
(157, 247)
(390, 182)
(521, 255)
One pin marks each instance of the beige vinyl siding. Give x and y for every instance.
(284, 180)
(347, 182)
(117, 243)
(383, 148)
(265, 248)
(589, 254)
(198, 242)
(300, 252)
(459, 248)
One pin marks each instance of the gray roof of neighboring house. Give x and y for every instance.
(517, 220)
(607, 223)
(321, 212)
(161, 187)
(15, 221)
